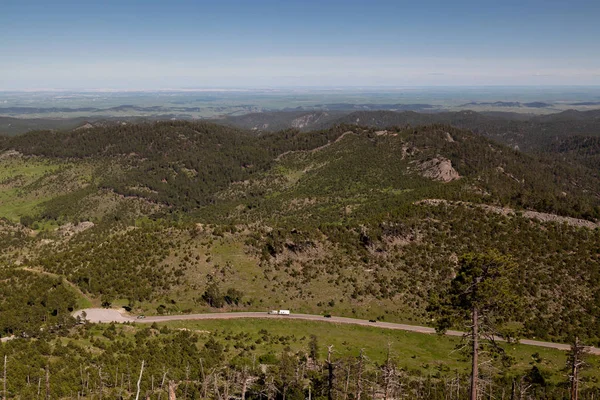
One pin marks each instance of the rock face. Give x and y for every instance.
(84, 127)
(439, 169)
(448, 137)
(70, 229)
(10, 154)
(539, 216)
(307, 119)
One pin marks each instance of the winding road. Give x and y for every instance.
(112, 315)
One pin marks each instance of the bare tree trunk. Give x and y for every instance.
(217, 394)
(330, 375)
(475, 366)
(4, 380)
(47, 382)
(204, 385)
(513, 392)
(162, 384)
(226, 388)
(172, 391)
(245, 383)
(359, 375)
(373, 387)
(82, 379)
(457, 385)
(101, 388)
(522, 389)
(575, 371)
(270, 389)
(347, 382)
(139, 382)
(388, 375)
(187, 379)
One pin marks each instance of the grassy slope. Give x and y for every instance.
(428, 354)
(16, 175)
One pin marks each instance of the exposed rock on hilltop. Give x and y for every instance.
(71, 229)
(85, 126)
(9, 154)
(506, 211)
(439, 169)
(308, 119)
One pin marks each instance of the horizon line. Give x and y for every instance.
(283, 87)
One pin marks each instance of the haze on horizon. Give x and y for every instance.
(128, 45)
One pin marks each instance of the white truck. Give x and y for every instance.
(279, 312)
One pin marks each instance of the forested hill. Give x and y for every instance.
(527, 132)
(176, 163)
(184, 165)
(182, 217)
(524, 132)
(179, 164)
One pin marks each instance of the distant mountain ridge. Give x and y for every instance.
(535, 104)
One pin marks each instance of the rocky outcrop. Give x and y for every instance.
(71, 229)
(307, 120)
(438, 168)
(535, 215)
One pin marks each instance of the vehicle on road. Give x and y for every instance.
(279, 312)
(141, 316)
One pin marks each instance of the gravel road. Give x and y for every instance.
(111, 315)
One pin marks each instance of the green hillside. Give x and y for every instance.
(180, 217)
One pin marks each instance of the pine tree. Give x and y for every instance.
(482, 297)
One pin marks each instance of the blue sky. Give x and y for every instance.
(180, 44)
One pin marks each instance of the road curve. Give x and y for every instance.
(112, 315)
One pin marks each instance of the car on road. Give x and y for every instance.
(141, 316)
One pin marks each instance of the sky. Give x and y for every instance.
(328, 43)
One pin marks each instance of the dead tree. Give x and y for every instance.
(475, 352)
(347, 384)
(172, 388)
(576, 363)
(359, 375)
(204, 384)
(47, 382)
(139, 382)
(245, 382)
(162, 383)
(388, 374)
(187, 380)
(4, 380)
(101, 387)
(330, 376)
